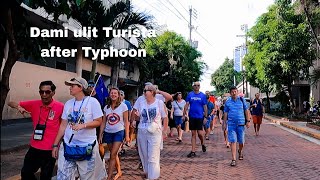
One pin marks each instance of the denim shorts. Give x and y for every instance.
(209, 120)
(110, 138)
(177, 120)
(236, 134)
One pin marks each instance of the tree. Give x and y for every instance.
(222, 78)
(15, 29)
(171, 63)
(15, 35)
(312, 12)
(281, 49)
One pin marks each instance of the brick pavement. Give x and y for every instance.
(275, 154)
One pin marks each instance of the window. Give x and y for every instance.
(61, 65)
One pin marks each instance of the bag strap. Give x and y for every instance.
(179, 106)
(244, 111)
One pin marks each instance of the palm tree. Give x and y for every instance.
(118, 16)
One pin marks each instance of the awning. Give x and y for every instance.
(127, 82)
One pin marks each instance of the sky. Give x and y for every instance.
(217, 21)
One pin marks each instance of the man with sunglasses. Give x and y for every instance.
(46, 117)
(198, 114)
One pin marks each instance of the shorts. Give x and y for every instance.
(110, 138)
(209, 120)
(171, 124)
(196, 123)
(236, 134)
(177, 120)
(257, 119)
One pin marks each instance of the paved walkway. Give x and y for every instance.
(275, 154)
(15, 136)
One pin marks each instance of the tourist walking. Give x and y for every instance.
(257, 111)
(46, 117)
(151, 113)
(177, 113)
(197, 116)
(79, 153)
(237, 113)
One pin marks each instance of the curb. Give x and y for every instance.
(298, 129)
(13, 149)
(301, 130)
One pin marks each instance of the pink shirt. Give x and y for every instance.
(52, 113)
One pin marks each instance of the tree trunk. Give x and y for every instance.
(309, 23)
(93, 69)
(292, 105)
(115, 73)
(12, 58)
(268, 102)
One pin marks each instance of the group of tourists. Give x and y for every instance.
(72, 133)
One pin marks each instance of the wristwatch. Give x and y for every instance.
(54, 145)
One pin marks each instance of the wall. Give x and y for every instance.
(24, 85)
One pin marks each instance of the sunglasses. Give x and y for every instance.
(145, 90)
(74, 79)
(47, 92)
(197, 85)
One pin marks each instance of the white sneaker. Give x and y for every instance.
(211, 132)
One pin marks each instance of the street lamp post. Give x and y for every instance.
(244, 28)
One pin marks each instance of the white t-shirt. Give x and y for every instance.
(91, 110)
(158, 96)
(114, 118)
(155, 111)
(177, 105)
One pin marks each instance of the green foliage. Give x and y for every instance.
(185, 68)
(222, 79)
(281, 49)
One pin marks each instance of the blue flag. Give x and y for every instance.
(101, 92)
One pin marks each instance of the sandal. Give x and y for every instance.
(177, 139)
(240, 155)
(233, 163)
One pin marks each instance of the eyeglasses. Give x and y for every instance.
(145, 90)
(47, 92)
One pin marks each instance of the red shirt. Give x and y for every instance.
(52, 113)
(212, 99)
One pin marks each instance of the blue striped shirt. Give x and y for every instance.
(235, 110)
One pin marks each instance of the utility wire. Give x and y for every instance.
(154, 7)
(177, 10)
(182, 6)
(203, 37)
(169, 9)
